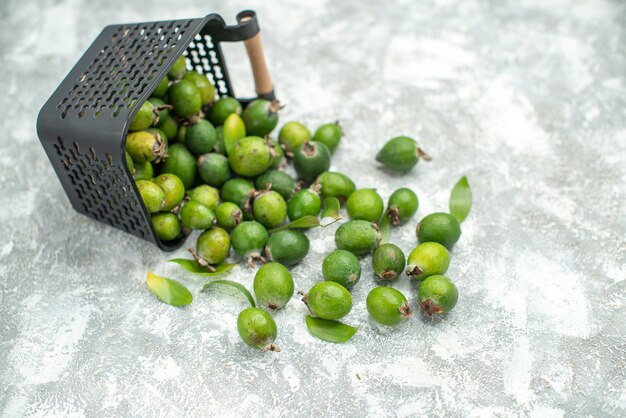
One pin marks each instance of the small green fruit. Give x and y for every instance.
(292, 135)
(205, 194)
(387, 305)
(342, 267)
(328, 300)
(388, 261)
(143, 171)
(304, 203)
(173, 188)
(439, 227)
(161, 88)
(427, 259)
(333, 184)
(278, 181)
(200, 137)
(166, 226)
(365, 204)
(402, 204)
(144, 146)
(169, 126)
(261, 116)
(238, 191)
(185, 98)
(177, 71)
(213, 245)
(204, 86)
(195, 215)
(152, 195)
(228, 215)
(311, 160)
(223, 108)
(182, 163)
(359, 237)
(287, 247)
(273, 285)
(214, 169)
(270, 209)
(257, 329)
(401, 154)
(437, 295)
(249, 239)
(330, 135)
(250, 156)
(144, 117)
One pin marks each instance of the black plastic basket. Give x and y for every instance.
(83, 125)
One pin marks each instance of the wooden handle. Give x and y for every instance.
(262, 80)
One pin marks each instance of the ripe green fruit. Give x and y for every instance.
(304, 203)
(144, 146)
(427, 259)
(261, 116)
(213, 245)
(152, 195)
(439, 227)
(402, 204)
(161, 88)
(278, 181)
(181, 135)
(388, 261)
(333, 184)
(292, 135)
(214, 169)
(273, 285)
(330, 135)
(401, 154)
(228, 215)
(359, 237)
(182, 163)
(328, 300)
(185, 98)
(144, 117)
(257, 329)
(365, 204)
(437, 295)
(223, 108)
(177, 71)
(204, 86)
(200, 137)
(342, 267)
(249, 239)
(270, 209)
(166, 226)
(311, 160)
(250, 156)
(169, 126)
(287, 247)
(238, 191)
(173, 188)
(387, 305)
(205, 194)
(143, 171)
(195, 215)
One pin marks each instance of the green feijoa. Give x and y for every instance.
(437, 295)
(330, 135)
(213, 245)
(238, 191)
(169, 126)
(207, 195)
(222, 108)
(194, 215)
(143, 171)
(129, 163)
(388, 261)
(359, 237)
(333, 184)
(305, 202)
(185, 98)
(200, 137)
(162, 108)
(161, 88)
(427, 259)
(249, 239)
(144, 146)
(261, 116)
(278, 181)
(214, 169)
(219, 148)
(328, 300)
(287, 247)
(278, 161)
(257, 329)
(181, 135)
(401, 154)
(250, 156)
(387, 305)
(152, 195)
(178, 69)
(365, 204)
(342, 267)
(273, 285)
(270, 209)
(173, 188)
(182, 163)
(166, 226)
(439, 227)
(143, 118)
(311, 160)
(402, 204)
(228, 215)
(293, 135)
(204, 86)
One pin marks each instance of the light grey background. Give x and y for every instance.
(527, 98)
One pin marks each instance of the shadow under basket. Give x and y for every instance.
(83, 125)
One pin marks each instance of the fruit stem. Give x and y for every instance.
(422, 154)
(430, 307)
(272, 347)
(275, 106)
(201, 261)
(414, 271)
(394, 216)
(388, 274)
(405, 310)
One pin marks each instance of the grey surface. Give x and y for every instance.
(527, 98)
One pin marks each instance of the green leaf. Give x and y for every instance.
(461, 199)
(230, 283)
(331, 208)
(168, 290)
(331, 331)
(308, 221)
(194, 267)
(234, 130)
(385, 229)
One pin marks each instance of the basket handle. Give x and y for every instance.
(254, 48)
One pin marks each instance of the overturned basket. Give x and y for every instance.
(83, 125)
